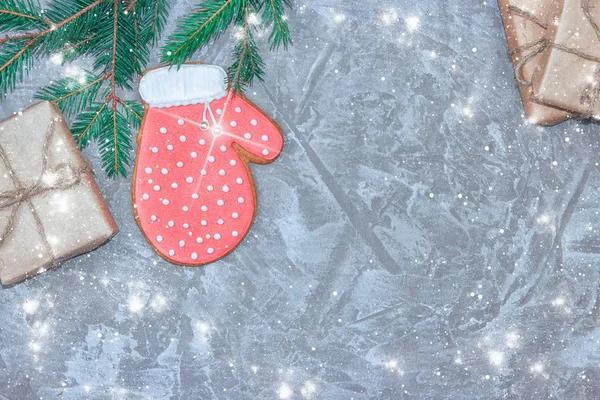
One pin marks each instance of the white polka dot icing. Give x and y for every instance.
(163, 130)
(206, 160)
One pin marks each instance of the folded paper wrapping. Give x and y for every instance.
(50, 206)
(571, 78)
(526, 22)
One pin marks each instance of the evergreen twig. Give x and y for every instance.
(117, 35)
(213, 17)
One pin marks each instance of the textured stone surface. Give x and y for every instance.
(416, 239)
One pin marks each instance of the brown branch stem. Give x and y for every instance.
(47, 31)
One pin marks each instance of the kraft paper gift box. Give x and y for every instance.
(527, 24)
(50, 206)
(571, 77)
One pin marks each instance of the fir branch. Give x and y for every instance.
(213, 17)
(196, 29)
(73, 95)
(21, 15)
(16, 59)
(89, 124)
(14, 68)
(274, 14)
(115, 143)
(152, 15)
(248, 63)
(134, 112)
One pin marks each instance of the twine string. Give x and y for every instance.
(591, 93)
(65, 176)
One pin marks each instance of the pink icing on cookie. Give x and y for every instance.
(193, 191)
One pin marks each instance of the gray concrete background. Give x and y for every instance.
(416, 239)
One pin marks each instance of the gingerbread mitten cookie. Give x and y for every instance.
(193, 193)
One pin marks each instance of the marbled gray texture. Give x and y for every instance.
(416, 239)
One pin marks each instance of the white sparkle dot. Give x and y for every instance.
(209, 188)
(204, 208)
(233, 124)
(247, 136)
(159, 239)
(169, 147)
(164, 171)
(217, 236)
(171, 223)
(264, 138)
(148, 170)
(202, 142)
(211, 159)
(194, 256)
(199, 240)
(210, 250)
(253, 122)
(232, 163)
(203, 222)
(239, 181)
(222, 172)
(203, 172)
(156, 188)
(171, 252)
(240, 199)
(265, 152)
(179, 164)
(220, 202)
(163, 130)
(153, 217)
(238, 110)
(155, 149)
(181, 243)
(234, 233)
(189, 179)
(174, 185)
(145, 196)
(193, 154)
(182, 138)
(223, 149)
(194, 195)
(165, 202)
(235, 215)
(220, 221)
(180, 121)
(225, 188)
(185, 208)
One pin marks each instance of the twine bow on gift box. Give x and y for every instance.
(591, 92)
(64, 176)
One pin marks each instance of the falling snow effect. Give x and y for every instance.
(417, 239)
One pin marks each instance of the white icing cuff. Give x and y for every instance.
(190, 84)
